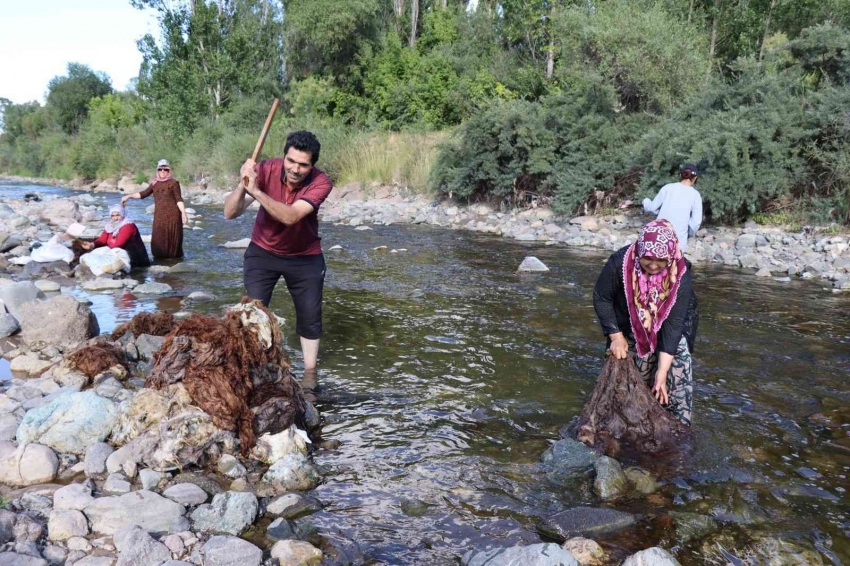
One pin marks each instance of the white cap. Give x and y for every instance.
(75, 230)
(162, 163)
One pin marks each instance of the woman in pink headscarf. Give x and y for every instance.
(645, 302)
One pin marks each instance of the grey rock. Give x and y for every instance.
(28, 529)
(231, 467)
(136, 547)
(94, 561)
(8, 325)
(15, 559)
(48, 286)
(95, 460)
(70, 423)
(150, 478)
(531, 264)
(29, 548)
(296, 553)
(745, 241)
(16, 295)
(7, 526)
(293, 472)
(641, 480)
(186, 493)
(63, 525)
(179, 525)
(152, 289)
(144, 508)
(200, 297)
(231, 512)
(72, 497)
(763, 272)
(610, 482)
(35, 502)
(116, 460)
(54, 554)
(27, 464)
(586, 521)
(292, 506)
(231, 551)
(148, 345)
(202, 480)
(651, 557)
(58, 320)
(281, 529)
(108, 387)
(116, 484)
(566, 460)
(238, 244)
(103, 284)
(543, 554)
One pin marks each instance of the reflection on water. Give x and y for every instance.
(450, 373)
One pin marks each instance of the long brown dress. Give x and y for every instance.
(167, 236)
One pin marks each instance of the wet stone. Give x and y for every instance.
(585, 521)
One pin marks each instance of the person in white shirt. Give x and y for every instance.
(680, 203)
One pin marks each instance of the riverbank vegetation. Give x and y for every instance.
(580, 105)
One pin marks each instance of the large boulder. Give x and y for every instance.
(543, 554)
(147, 509)
(59, 320)
(27, 464)
(16, 295)
(231, 512)
(70, 423)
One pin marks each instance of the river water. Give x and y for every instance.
(451, 373)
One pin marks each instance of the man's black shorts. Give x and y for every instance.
(304, 277)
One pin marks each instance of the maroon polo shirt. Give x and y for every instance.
(302, 238)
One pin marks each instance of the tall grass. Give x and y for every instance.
(216, 150)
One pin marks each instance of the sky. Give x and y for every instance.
(38, 38)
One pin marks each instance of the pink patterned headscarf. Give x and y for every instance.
(651, 297)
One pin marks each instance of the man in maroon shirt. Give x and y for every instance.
(285, 241)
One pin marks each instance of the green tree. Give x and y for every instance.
(70, 95)
(210, 53)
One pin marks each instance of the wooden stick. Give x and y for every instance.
(259, 147)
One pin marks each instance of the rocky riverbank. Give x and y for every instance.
(80, 487)
(763, 251)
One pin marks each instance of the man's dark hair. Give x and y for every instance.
(303, 140)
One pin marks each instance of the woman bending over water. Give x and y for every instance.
(644, 299)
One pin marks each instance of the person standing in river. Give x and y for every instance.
(285, 239)
(169, 214)
(680, 203)
(644, 300)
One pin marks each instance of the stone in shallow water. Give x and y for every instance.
(586, 521)
(238, 244)
(296, 553)
(153, 289)
(543, 554)
(567, 459)
(610, 482)
(587, 552)
(281, 529)
(531, 263)
(293, 505)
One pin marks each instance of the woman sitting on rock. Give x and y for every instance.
(644, 299)
(169, 214)
(121, 232)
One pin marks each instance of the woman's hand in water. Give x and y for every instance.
(619, 346)
(660, 389)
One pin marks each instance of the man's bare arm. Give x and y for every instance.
(237, 202)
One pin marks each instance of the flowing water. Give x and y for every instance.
(449, 374)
